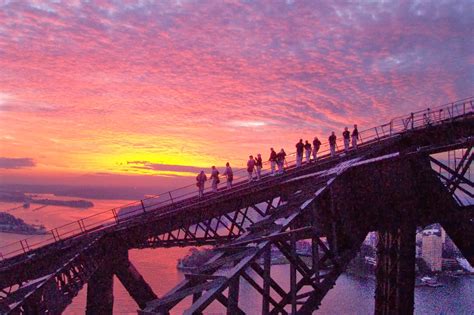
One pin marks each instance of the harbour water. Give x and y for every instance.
(351, 294)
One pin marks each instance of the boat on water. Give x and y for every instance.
(430, 282)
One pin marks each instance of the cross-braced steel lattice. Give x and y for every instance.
(455, 173)
(212, 231)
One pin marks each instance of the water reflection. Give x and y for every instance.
(350, 295)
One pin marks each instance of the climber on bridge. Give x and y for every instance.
(427, 118)
(258, 165)
(307, 151)
(299, 152)
(229, 174)
(346, 135)
(355, 137)
(215, 178)
(316, 146)
(250, 167)
(273, 160)
(280, 158)
(332, 143)
(201, 178)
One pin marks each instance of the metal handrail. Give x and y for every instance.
(112, 217)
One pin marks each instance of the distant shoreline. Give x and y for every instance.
(85, 192)
(13, 196)
(23, 232)
(13, 225)
(65, 203)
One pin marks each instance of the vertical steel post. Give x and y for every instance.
(114, 212)
(395, 288)
(333, 241)
(315, 256)
(23, 247)
(377, 133)
(266, 280)
(57, 234)
(315, 245)
(233, 299)
(293, 273)
(100, 292)
(80, 226)
(27, 246)
(171, 197)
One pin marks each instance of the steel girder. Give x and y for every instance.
(215, 281)
(394, 293)
(54, 292)
(100, 299)
(102, 257)
(220, 229)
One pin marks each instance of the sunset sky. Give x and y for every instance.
(98, 91)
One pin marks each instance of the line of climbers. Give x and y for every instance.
(278, 160)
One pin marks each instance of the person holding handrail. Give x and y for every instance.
(332, 143)
(259, 165)
(299, 152)
(307, 150)
(346, 135)
(273, 160)
(316, 146)
(229, 174)
(215, 178)
(355, 137)
(250, 167)
(201, 179)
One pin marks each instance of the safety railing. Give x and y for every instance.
(178, 197)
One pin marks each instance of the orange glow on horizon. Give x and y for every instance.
(165, 89)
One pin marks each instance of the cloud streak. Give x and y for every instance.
(178, 170)
(167, 169)
(16, 163)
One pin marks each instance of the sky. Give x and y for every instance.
(114, 92)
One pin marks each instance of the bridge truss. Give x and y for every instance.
(331, 204)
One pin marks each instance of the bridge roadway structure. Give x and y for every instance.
(397, 180)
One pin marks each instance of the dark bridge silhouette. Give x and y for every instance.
(397, 180)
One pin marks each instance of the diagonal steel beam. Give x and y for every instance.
(454, 175)
(134, 283)
(462, 173)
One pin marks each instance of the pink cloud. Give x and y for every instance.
(191, 79)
